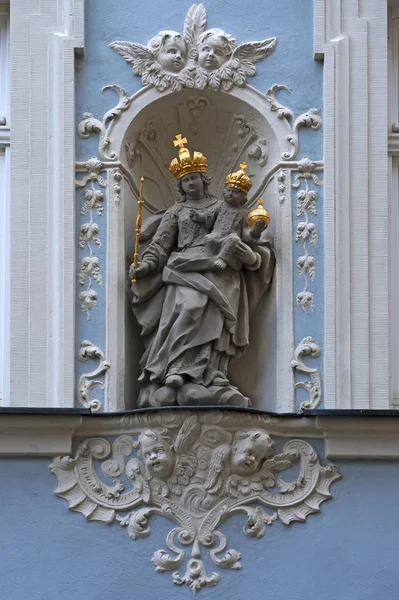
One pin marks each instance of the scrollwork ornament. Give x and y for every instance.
(90, 124)
(196, 474)
(89, 381)
(308, 348)
(311, 118)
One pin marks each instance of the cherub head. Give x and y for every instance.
(233, 197)
(214, 48)
(158, 454)
(170, 50)
(250, 449)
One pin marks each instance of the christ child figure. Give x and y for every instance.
(228, 224)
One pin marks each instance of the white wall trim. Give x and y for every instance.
(44, 37)
(352, 38)
(393, 181)
(348, 437)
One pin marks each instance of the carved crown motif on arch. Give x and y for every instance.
(197, 58)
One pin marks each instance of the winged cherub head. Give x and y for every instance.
(215, 47)
(158, 454)
(170, 50)
(250, 449)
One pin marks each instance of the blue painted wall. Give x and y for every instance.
(347, 552)
(290, 64)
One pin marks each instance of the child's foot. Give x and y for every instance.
(175, 381)
(220, 264)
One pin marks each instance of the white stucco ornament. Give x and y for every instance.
(197, 470)
(197, 58)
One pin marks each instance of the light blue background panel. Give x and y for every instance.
(346, 552)
(290, 64)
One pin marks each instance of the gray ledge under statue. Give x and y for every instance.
(203, 269)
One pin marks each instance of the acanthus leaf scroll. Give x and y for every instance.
(196, 473)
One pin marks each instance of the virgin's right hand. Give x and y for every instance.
(140, 271)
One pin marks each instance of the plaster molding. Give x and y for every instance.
(311, 118)
(192, 64)
(306, 231)
(344, 437)
(197, 474)
(308, 348)
(37, 435)
(393, 144)
(44, 38)
(89, 381)
(90, 277)
(351, 36)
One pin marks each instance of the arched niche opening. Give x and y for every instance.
(228, 128)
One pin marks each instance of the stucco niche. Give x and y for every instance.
(228, 128)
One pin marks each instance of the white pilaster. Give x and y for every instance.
(44, 36)
(351, 35)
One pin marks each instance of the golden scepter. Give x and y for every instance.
(139, 219)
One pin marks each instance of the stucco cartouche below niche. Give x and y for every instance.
(197, 469)
(205, 258)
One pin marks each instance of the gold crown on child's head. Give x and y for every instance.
(185, 164)
(239, 180)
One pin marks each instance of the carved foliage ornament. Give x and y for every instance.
(197, 473)
(197, 58)
(89, 235)
(306, 230)
(89, 381)
(308, 348)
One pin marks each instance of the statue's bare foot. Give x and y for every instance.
(220, 264)
(175, 381)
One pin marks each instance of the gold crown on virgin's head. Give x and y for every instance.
(239, 180)
(185, 164)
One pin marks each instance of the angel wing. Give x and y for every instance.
(254, 51)
(273, 465)
(187, 434)
(213, 481)
(241, 64)
(194, 24)
(140, 57)
(246, 486)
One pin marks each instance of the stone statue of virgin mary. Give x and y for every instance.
(202, 271)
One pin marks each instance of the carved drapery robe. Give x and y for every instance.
(194, 319)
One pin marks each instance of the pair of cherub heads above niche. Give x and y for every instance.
(200, 270)
(198, 57)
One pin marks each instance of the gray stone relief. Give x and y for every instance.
(197, 58)
(196, 469)
(204, 265)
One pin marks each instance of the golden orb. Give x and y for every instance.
(258, 214)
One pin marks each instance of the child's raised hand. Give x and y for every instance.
(257, 229)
